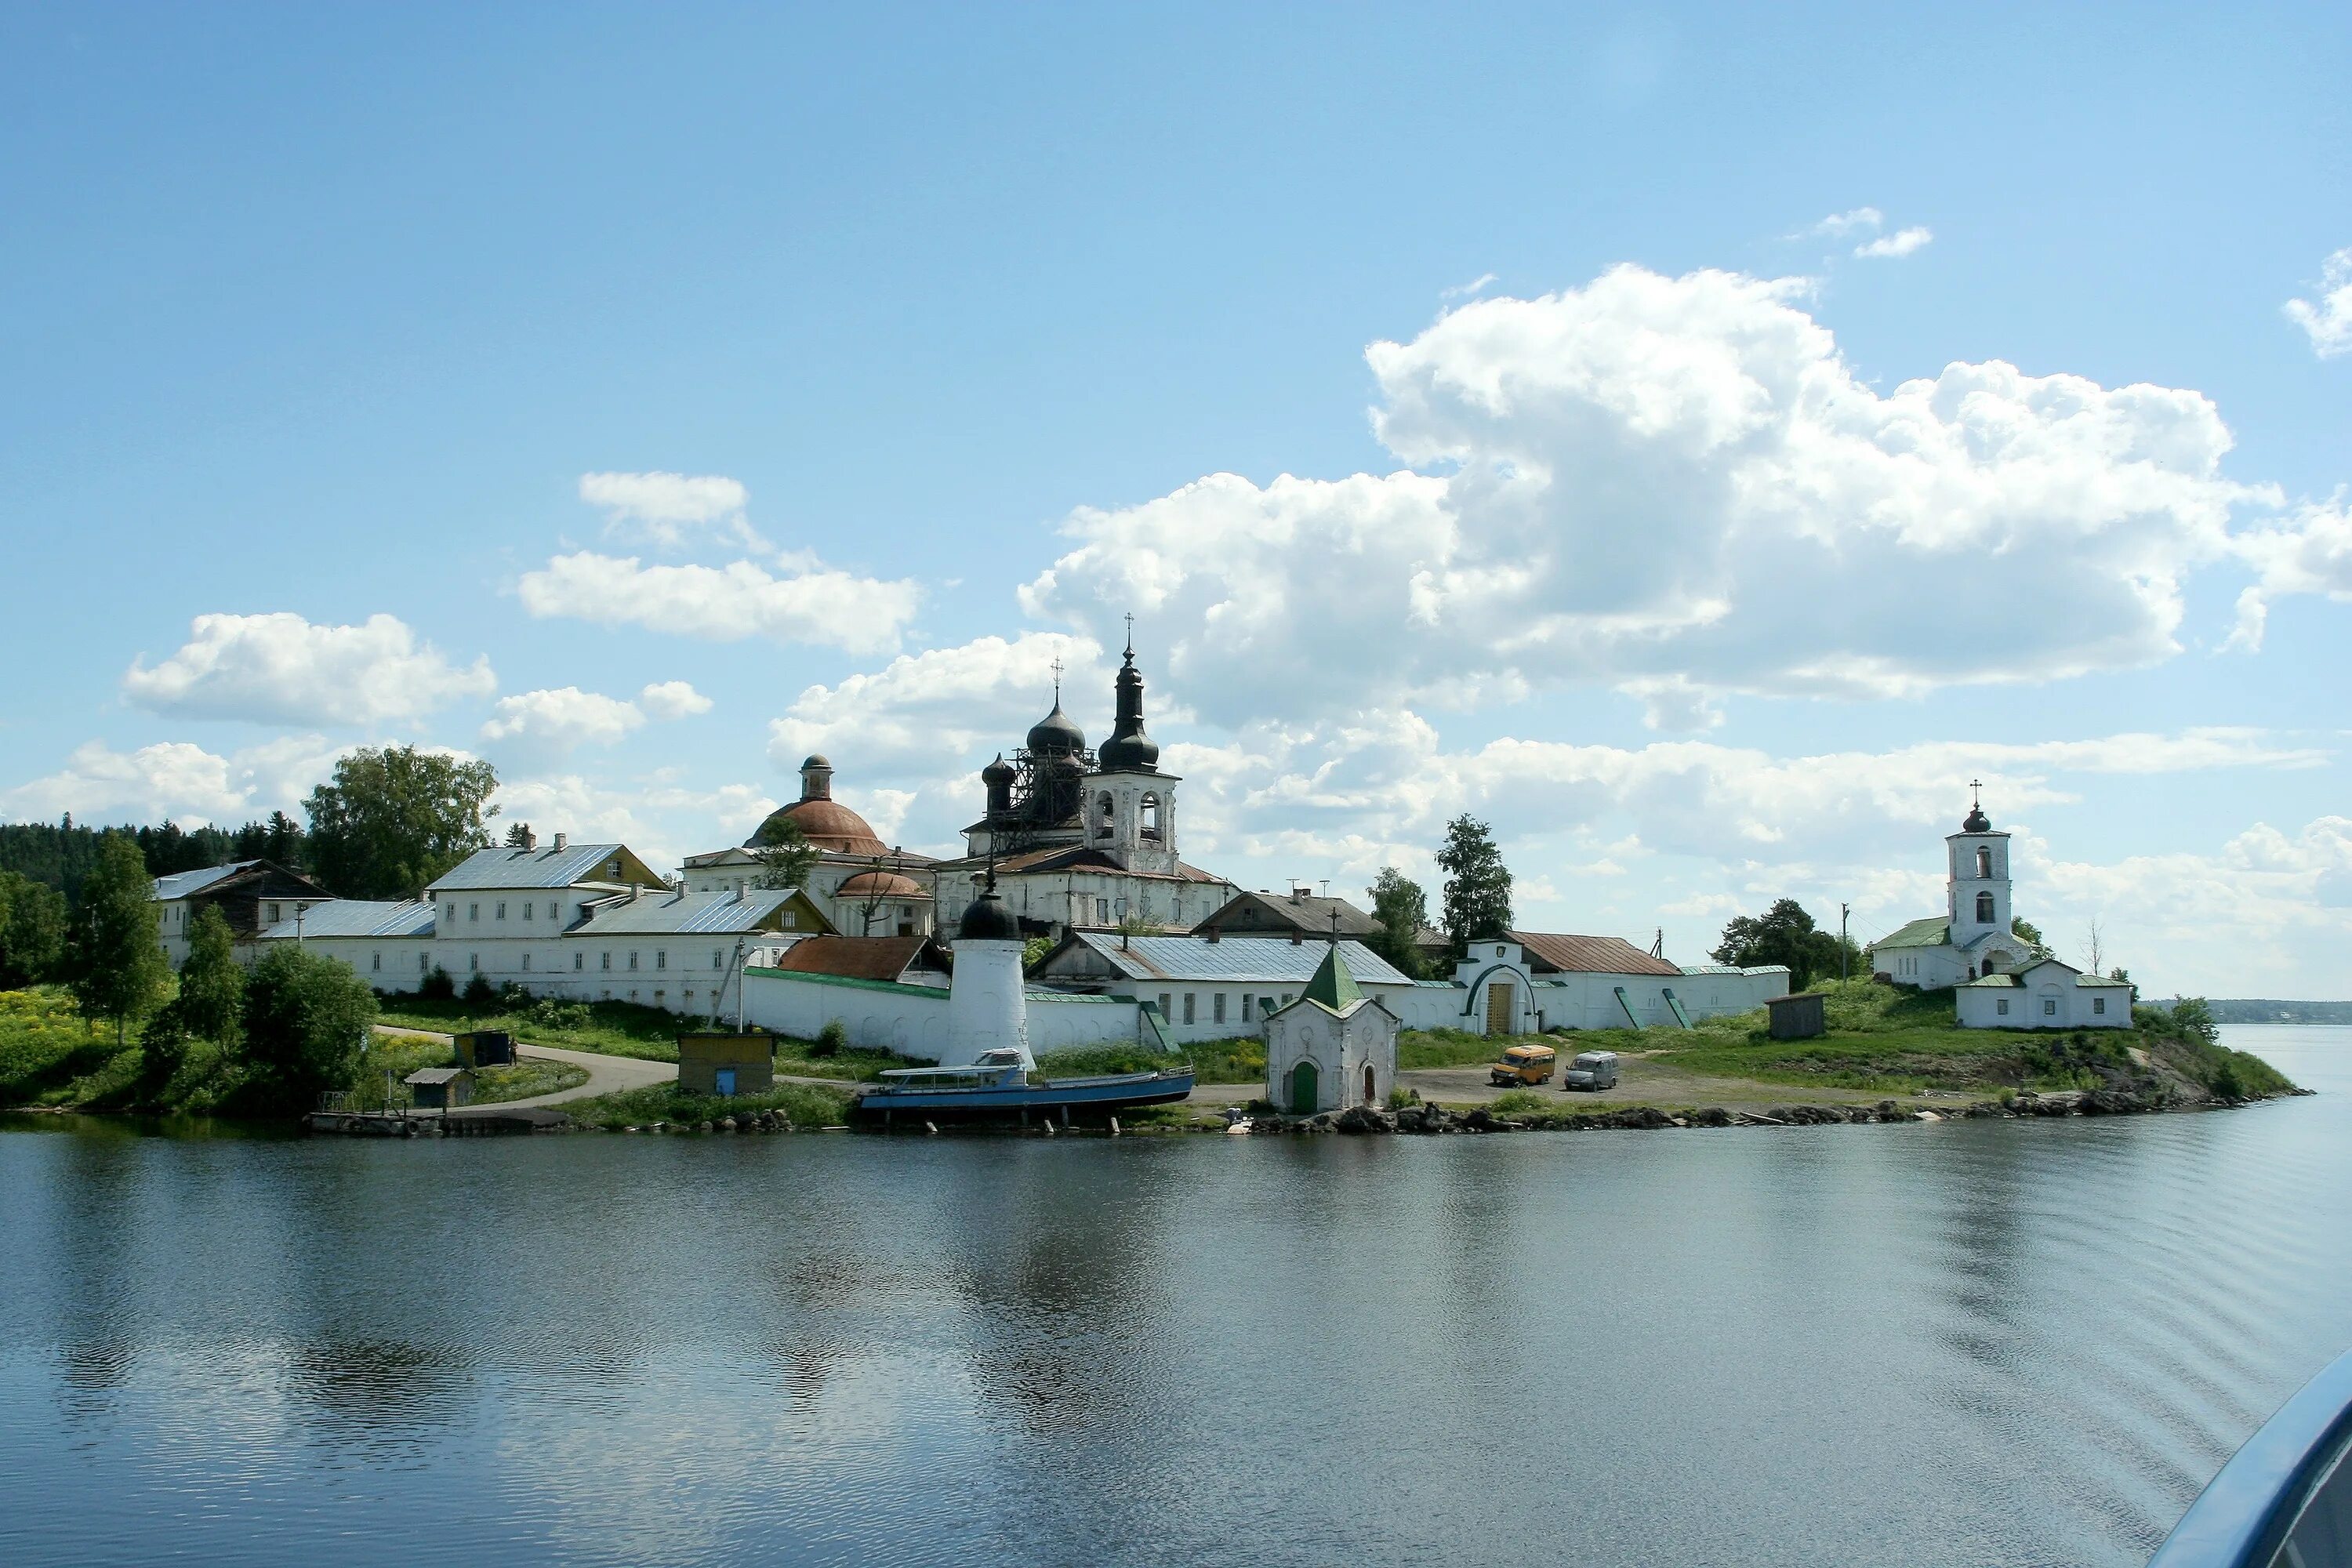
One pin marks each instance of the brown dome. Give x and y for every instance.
(881, 885)
(828, 824)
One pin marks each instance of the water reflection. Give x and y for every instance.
(1957, 1343)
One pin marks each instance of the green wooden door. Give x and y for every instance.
(1302, 1089)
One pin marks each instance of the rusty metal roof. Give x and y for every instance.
(853, 957)
(1589, 954)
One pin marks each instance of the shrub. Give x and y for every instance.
(830, 1039)
(436, 986)
(478, 989)
(1400, 1097)
(548, 1013)
(305, 1026)
(1515, 1100)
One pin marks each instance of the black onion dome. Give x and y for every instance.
(1976, 821)
(988, 920)
(999, 772)
(1057, 734)
(1137, 753)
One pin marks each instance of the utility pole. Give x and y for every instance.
(1843, 910)
(739, 984)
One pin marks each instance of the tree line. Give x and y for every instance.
(389, 821)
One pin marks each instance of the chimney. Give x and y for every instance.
(637, 891)
(1216, 934)
(1295, 891)
(529, 839)
(564, 841)
(741, 884)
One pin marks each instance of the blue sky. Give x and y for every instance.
(319, 324)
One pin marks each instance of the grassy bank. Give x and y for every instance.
(1213, 1061)
(1886, 1040)
(808, 1105)
(619, 1030)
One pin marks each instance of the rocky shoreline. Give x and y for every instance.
(1430, 1120)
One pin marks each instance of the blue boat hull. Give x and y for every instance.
(1117, 1091)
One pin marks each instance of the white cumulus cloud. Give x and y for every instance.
(668, 509)
(1677, 487)
(176, 781)
(812, 604)
(921, 713)
(1837, 226)
(280, 668)
(2328, 319)
(2308, 553)
(672, 699)
(1902, 242)
(558, 721)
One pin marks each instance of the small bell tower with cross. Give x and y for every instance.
(1979, 884)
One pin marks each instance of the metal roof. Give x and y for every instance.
(1935, 931)
(357, 917)
(656, 914)
(1590, 954)
(505, 867)
(854, 957)
(1257, 959)
(179, 884)
(1286, 912)
(436, 1075)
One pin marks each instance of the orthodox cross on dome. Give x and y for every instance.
(1057, 682)
(1976, 793)
(1131, 634)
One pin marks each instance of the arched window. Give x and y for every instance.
(1103, 815)
(1984, 862)
(1984, 909)
(1151, 817)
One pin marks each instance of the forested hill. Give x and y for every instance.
(60, 854)
(2259, 1010)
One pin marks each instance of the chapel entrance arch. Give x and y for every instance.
(1371, 1085)
(1302, 1089)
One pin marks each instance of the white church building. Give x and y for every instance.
(1999, 980)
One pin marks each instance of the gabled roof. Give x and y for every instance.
(179, 884)
(1073, 858)
(406, 919)
(660, 914)
(854, 957)
(1289, 913)
(611, 864)
(217, 878)
(436, 1075)
(1238, 960)
(1588, 954)
(1935, 931)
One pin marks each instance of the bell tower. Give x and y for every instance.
(1131, 805)
(1979, 881)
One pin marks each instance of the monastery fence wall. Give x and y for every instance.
(912, 1020)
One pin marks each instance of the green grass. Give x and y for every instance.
(1419, 1048)
(808, 1105)
(619, 1030)
(1213, 1061)
(50, 1054)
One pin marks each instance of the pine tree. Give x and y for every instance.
(211, 984)
(116, 957)
(1477, 884)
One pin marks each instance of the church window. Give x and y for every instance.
(1165, 1011)
(528, 908)
(1249, 1005)
(423, 963)
(2098, 1004)
(550, 909)
(1150, 813)
(2050, 1006)
(1102, 911)
(1984, 863)
(502, 909)
(1217, 1007)
(633, 963)
(473, 962)
(1984, 909)
(579, 962)
(607, 962)
(1103, 815)
(473, 911)
(1187, 1006)
(661, 960)
(376, 960)
(526, 961)
(2001, 1006)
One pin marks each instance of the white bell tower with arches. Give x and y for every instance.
(1979, 881)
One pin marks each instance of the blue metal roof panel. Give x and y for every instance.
(505, 867)
(1252, 959)
(657, 914)
(357, 917)
(179, 884)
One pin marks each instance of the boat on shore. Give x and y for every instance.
(1001, 1083)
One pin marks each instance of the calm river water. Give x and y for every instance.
(1966, 1344)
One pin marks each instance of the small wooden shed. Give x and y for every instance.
(727, 1064)
(485, 1048)
(441, 1089)
(1797, 1017)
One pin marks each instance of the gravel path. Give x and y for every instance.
(607, 1075)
